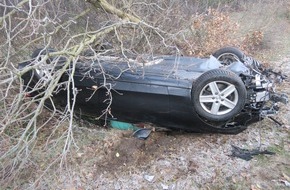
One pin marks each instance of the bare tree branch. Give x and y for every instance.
(13, 11)
(56, 30)
(113, 10)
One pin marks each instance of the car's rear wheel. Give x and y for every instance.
(228, 55)
(44, 70)
(218, 95)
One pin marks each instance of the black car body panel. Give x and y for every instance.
(158, 91)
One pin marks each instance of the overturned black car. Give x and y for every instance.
(224, 93)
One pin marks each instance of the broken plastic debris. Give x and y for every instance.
(122, 125)
(142, 133)
(246, 154)
(149, 177)
(285, 183)
(94, 87)
(164, 187)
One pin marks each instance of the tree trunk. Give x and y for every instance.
(113, 10)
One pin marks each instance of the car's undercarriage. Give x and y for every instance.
(223, 93)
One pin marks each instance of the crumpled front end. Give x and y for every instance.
(262, 98)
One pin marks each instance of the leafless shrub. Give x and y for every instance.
(208, 32)
(253, 41)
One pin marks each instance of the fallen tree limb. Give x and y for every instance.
(113, 10)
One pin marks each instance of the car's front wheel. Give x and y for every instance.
(218, 95)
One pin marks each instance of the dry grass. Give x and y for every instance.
(210, 31)
(215, 29)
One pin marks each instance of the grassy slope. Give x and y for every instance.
(274, 21)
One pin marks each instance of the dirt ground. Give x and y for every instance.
(191, 161)
(113, 159)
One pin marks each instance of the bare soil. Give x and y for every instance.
(176, 160)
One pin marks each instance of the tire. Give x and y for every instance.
(44, 71)
(218, 95)
(228, 55)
